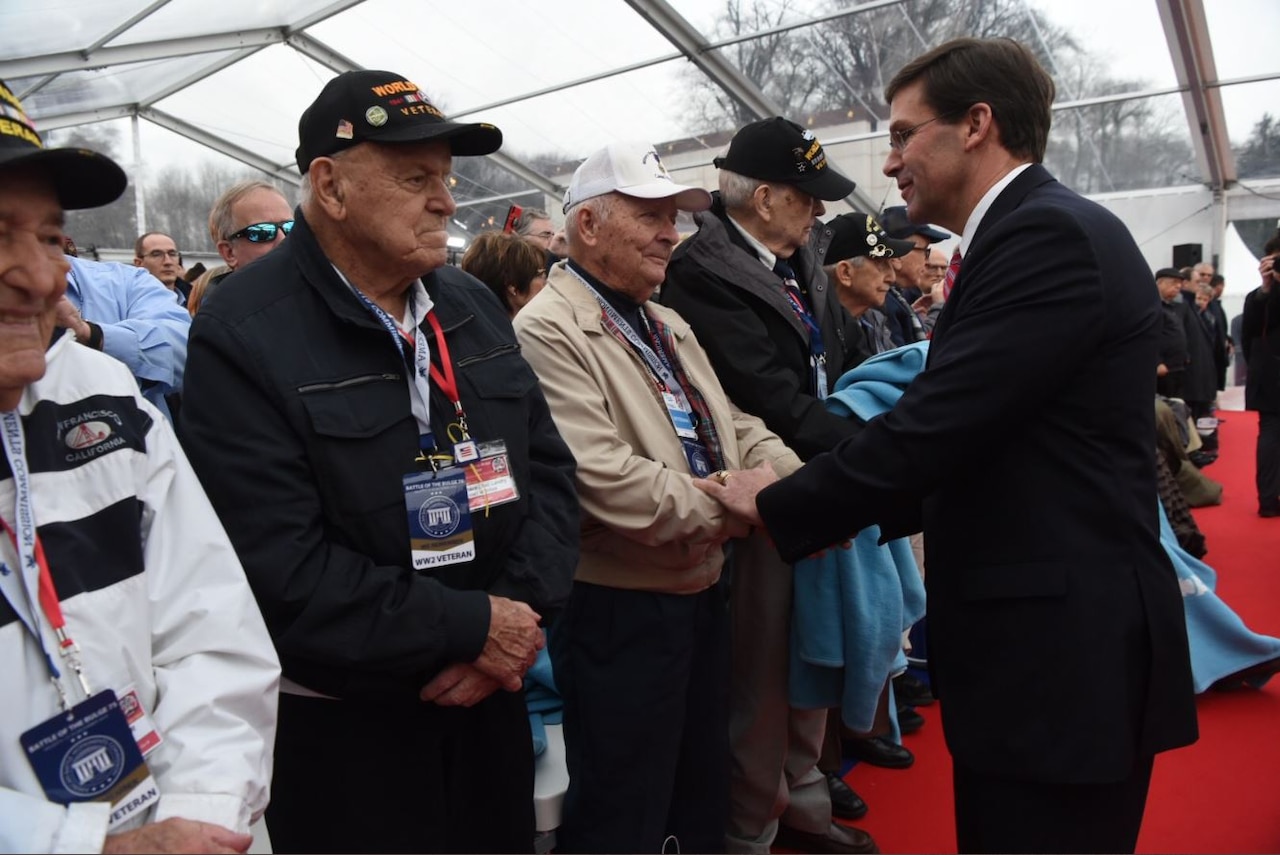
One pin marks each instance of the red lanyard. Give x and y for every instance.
(444, 376)
(48, 596)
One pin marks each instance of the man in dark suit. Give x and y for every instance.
(1045, 567)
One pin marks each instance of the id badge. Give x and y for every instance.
(143, 728)
(699, 460)
(820, 375)
(439, 518)
(679, 417)
(89, 755)
(490, 481)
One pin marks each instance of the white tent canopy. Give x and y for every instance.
(1147, 110)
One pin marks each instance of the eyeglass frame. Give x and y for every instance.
(899, 140)
(161, 254)
(278, 226)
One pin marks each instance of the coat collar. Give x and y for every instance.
(586, 311)
(1010, 198)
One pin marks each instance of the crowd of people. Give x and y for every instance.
(299, 525)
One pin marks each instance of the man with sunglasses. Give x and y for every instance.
(1045, 564)
(388, 470)
(248, 221)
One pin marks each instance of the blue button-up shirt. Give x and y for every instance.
(143, 324)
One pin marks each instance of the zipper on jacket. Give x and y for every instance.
(489, 354)
(343, 384)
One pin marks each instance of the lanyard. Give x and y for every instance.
(34, 574)
(657, 365)
(412, 353)
(817, 350)
(445, 377)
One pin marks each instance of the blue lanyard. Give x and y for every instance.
(817, 351)
(413, 351)
(26, 543)
(658, 365)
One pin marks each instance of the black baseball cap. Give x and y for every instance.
(895, 223)
(858, 234)
(781, 151)
(381, 106)
(80, 178)
(1170, 273)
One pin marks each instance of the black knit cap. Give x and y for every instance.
(781, 151)
(80, 178)
(381, 106)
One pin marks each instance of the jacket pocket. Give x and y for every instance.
(354, 407)
(1011, 581)
(499, 373)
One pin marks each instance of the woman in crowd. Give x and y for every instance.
(511, 266)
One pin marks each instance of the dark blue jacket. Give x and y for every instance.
(299, 425)
(1026, 447)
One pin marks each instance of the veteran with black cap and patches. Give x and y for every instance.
(114, 560)
(858, 264)
(386, 465)
(750, 284)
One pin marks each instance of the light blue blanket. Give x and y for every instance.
(1220, 642)
(851, 606)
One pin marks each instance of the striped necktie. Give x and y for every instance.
(953, 270)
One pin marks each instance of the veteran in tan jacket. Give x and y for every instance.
(641, 652)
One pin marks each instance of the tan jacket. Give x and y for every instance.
(645, 526)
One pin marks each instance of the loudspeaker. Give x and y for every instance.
(1187, 255)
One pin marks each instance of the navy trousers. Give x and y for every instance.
(645, 682)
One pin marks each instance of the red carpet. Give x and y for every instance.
(1220, 795)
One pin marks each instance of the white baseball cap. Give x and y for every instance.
(632, 169)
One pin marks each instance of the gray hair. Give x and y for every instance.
(737, 190)
(524, 223)
(601, 206)
(220, 223)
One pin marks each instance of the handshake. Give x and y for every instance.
(737, 490)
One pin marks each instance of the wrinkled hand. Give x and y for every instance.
(69, 316)
(738, 490)
(922, 304)
(459, 685)
(513, 643)
(178, 835)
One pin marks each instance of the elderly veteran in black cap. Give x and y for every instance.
(859, 266)
(750, 284)
(116, 561)
(388, 470)
(910, 297)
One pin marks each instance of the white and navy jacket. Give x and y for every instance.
(153, 593)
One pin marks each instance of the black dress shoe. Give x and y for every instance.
(1245, 676)
(845, 803)
(838, 839)
(878, 751)
(909, 721)
(910, 691)
(1269, 509)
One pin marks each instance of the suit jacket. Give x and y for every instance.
(1056, 627)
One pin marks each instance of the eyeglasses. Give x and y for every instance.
(160, 254)
(543, 235)
(263, 232)
(898, 140)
